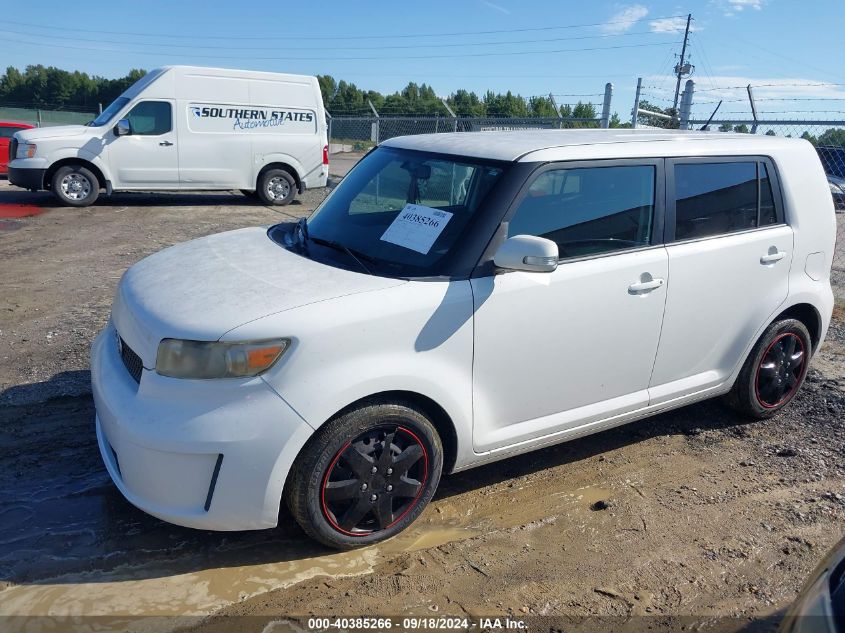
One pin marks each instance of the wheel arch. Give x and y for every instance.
(293, 171)
(808, 315)
(102, 181)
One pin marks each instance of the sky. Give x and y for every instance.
(790, 50)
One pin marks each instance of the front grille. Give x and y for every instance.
(131, 360)
(13, 149)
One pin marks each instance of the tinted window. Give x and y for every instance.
(768, 214)
(589, 211)
(7, 131)
(716, 198)
(150, 118)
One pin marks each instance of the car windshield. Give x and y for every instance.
(401, 212)
(107, 114)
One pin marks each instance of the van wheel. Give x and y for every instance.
(774, 370)
(366, 475)
(276, 186)
(75, 186)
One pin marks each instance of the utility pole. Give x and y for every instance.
(681, 69)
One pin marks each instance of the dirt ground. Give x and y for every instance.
(695, 513)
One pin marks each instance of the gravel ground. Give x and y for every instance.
(693, 513)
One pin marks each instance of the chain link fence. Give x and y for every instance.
(360, 133)
(44, 118)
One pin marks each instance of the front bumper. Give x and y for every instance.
(204, 454)
(27, 177)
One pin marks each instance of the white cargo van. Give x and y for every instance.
(185, 127)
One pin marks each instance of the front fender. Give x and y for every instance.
(87, 152)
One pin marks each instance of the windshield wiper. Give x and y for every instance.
(356, 255)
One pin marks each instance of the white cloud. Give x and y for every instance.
(624, 19)
(732, 7)
(496, 7)
(671, 25)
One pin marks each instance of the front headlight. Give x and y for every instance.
(198, 359)
(26, 150)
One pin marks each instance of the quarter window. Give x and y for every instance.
(589, 211)
(151, 118)
(725, 197)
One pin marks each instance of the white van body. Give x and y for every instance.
(226, 128)
(506, 356)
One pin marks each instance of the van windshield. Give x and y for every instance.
(402, 212)
(107, 114)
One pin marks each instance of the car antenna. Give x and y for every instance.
(706, 126)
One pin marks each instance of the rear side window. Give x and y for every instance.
(589, 211)
(724, 197)
(151, 118)
(7, 131)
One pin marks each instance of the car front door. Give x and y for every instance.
(555, 351)
(147, 157)
(729, 257)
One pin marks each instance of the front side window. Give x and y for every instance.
(589, 211)
(151, 118)
(724, 197)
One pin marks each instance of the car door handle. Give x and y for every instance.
(165, 143)
(646, 286)
(771, 258)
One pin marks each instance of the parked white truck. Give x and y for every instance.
(186, 128)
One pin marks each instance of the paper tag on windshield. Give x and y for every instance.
(417, 227)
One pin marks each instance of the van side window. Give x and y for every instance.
(151, 118)
(588, 211)
(724, 197)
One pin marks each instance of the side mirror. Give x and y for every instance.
(529, 253)
(123, 128)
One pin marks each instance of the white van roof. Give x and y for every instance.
(516, 145)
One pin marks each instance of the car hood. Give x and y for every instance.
(200, 290)
(58, 131)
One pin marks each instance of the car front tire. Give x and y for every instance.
(75, 186)
(774, 370)
(366, 475)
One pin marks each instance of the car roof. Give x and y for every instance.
(514, 145)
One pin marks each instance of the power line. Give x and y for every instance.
(288, 58)
(339, 48)
(340, 37)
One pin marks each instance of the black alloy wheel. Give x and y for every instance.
(365, 475)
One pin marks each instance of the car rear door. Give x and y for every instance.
(555, 351)
(729, 257)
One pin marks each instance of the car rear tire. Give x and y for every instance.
(75, 186)
(276, 186)
(366, 475)
(774, 370)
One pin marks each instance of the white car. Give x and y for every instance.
(458, 299)
(186, 128)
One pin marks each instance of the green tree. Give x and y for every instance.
(771, 133)
(833, 136)
(741, 128)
